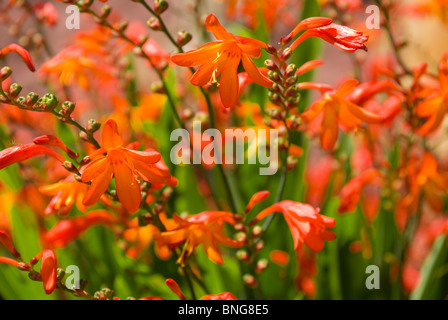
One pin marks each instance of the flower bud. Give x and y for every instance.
(270, 65)
(249, 280)
(92, 126)
(242, 255)
(274, 76)
(286, 54)
(257, 231)
(5, 72)
(154, 24)
(259, 245)
(105, 11)
(183, 37)
(67, 108)
(160, 6)
(290, 70)
(290, 81)
(270, 49)
(31, 99)
(14, 90)
(262, 265)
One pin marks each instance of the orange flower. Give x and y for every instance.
(435, 106)
(6, 240)
(67, 230)
(307, 272)
(24, 152)
(21, 52)
(336, 109)
(48, 270)
(124, 164)
(221, 296)
(256, 198)
(203, 228)
(222, 58)
(425, 176)
(306, 224)
(66, 193)
(342, 37)
(351, 192)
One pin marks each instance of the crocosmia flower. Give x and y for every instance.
(26, 57)
(222, 58)
(204, 228)
(306, 223)
(113, 159)
(336, 108)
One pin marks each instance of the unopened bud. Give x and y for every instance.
(242, 255)
(70, 167)
(286, 54)
(241, 236)
(92, 126)
(290, 81)
(105, 11)
(270, 49)
(270, 65)
(274, 76)
(249, 280)
(259, 245)
(157, 87)
(290, 70)
(14, 90)
(160, 6)
(286, 39)
(31, 98)
(154, 24)
(48, 102)
(262, 265)
(239, 227)
(23, 267)
(142, 39)
(183, 37)
(256, 231)
(5, 72)
(67, 108)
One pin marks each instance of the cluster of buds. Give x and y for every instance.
(284, 92)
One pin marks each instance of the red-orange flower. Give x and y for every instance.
(48, 270)
(23, 152)
(306, 223)
(352, 191)
(342, 37)
(21, 52)
(336, 108)
(204, 228)
(124, 164)
(65, 194)
(435, 107)
(222, 58)
(6, 240)
(65, 231)
(221, 296)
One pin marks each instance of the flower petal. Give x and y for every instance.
(110, 137)
(229, 82)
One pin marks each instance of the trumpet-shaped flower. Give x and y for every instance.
(222, 58)
(204, 228)
(342, 37)
(67, 230)
(124, 164)
(65, 194)
(435, 107)
(306, 223)
(26, 57)
(336, 108)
